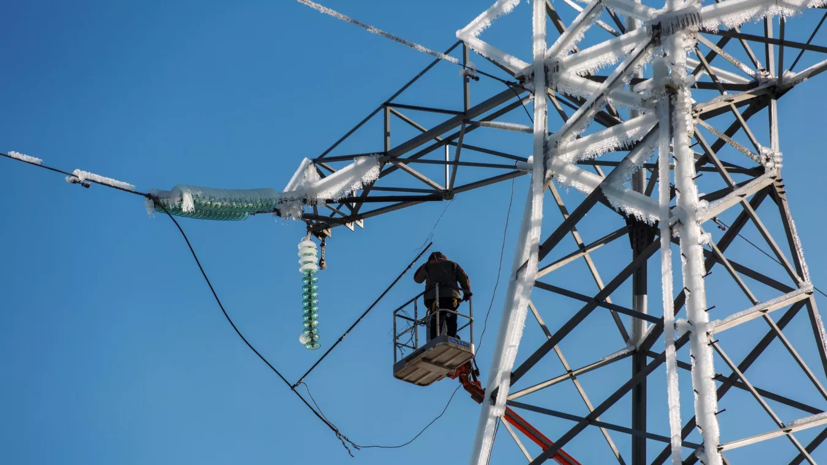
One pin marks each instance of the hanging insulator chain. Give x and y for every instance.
(310, 296)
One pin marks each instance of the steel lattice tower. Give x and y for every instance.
(687, 113)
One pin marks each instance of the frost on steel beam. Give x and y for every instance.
(606, 53)
(575, 86)
(470, 36)
(622, 136)
(569, 39)
(522, 277)
(733, 13)
(633, 9)
(736, 196)
(791, 427)
(688, 210)
(583, 116)
(660, 71)
(761, 309)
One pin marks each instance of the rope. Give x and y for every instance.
(717, 221)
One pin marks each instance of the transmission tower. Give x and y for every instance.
(655, 142)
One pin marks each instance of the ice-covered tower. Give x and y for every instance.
(653, 144)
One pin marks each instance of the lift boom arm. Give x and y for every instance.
(478, 394)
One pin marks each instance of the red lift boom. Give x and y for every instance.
(478, 394)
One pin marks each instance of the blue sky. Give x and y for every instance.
(111, 346)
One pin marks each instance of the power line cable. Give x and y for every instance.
(344, 439)
(510, 86)
(717, 221)
(423, 429)
(499, 269)
(400, 445)
(362, 316)
(431, 234)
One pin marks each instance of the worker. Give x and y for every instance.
(450, 279)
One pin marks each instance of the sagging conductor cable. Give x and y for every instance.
(122, 187)
(131, 190)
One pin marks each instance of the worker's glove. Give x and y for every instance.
(466, 295)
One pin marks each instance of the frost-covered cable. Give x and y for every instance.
(369, 28)
(344, 439)
(26, 158)
(522, 278)
(660, 71)
(87, 176)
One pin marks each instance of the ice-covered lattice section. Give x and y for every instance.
(733, 13)
(305, 188)
(470, 35)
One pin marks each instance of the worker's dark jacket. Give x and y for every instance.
(448, 274)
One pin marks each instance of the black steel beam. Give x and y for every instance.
(584, 312)
(598, 423)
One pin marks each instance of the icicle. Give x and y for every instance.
(310, 297)
(687, 18)
(733, 13)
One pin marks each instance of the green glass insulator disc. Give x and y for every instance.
(313, 345)
(310, 288)
(308, 279)
(310, 331)
(306, 295)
